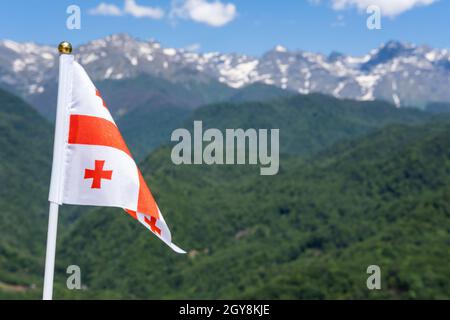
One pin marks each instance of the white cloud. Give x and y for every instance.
(138, 11)
(105, 9)
(130, 8)
(213, 13)
(390, 8)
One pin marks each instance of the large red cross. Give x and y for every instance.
(152, 223)
(97, 174)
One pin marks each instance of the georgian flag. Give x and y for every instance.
(92, 164)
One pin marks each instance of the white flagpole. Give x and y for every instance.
(51, 249)
(57, 179)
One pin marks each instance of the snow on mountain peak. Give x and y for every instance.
(280, 48)
(416, 71)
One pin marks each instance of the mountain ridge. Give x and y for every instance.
(401, 73)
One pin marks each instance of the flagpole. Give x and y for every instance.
(57, 179)
(51, 250)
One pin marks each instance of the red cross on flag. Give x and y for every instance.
(92, 164)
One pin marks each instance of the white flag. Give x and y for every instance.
(92, 164)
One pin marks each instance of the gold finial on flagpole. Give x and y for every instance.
(65, 48)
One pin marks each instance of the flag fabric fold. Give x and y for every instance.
(94, 165)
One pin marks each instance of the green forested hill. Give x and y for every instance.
(147, 117)
(307, 123)
(309, 232)
(259, 92)
(148, 109)
(25, 159)
(373, 189)
(149, 127)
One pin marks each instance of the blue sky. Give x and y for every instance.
(244, 26)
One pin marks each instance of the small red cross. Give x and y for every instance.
(152, 224)
(97, 174)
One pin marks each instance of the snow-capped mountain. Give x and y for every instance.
(404, 74)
